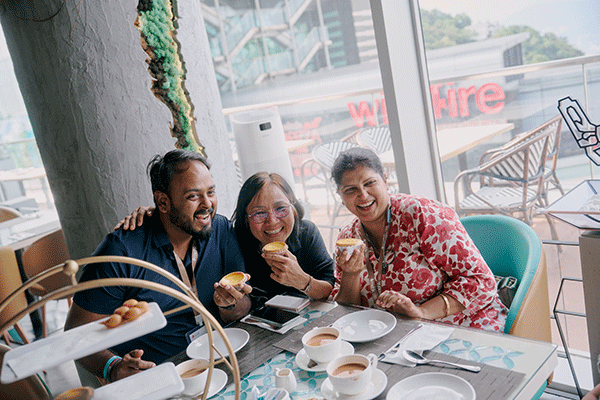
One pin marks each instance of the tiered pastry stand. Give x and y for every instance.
(34, 364)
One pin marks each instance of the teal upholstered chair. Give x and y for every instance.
(512, 248)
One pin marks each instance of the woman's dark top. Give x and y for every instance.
(306, 243)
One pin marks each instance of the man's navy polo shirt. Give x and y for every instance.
(217, 256)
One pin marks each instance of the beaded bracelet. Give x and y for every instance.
(109, 366)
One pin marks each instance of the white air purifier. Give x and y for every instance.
(260, 143)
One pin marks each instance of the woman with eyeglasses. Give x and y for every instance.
(418, 261)
(267, 211)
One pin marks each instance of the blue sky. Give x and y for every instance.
(577, 20)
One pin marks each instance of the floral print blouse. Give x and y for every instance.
(428, 252)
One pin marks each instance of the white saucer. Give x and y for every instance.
(218, 382)
(432, 385)
(365, 325)
(302, 358)
(376, 386)
(199, 348)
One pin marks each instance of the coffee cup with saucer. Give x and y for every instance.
(195, 384)
(321, 345)
(353, 377)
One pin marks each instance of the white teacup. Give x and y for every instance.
(322, 344)
(351, 375)
(193, 373)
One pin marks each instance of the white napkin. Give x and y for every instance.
(425, 338)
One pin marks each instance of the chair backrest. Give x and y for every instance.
(10, 189)
(377, 139)
(31, 388)
(8, 213)
(11, 281)
(326, 153)
(555, 124)
(512, 248)
(550, 128)
(523, 162)
(45, 253)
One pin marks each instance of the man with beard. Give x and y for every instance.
(185, 237)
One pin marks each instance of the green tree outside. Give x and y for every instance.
(540, 48)
(444, 30)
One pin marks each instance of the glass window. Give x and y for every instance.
(315, 64)
(18, 149)
(494, 67)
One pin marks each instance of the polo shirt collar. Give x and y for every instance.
(158, 233)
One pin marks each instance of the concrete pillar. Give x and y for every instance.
(83, 77)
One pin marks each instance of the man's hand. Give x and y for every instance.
(228, 295)
(135, 219)
(131, 364)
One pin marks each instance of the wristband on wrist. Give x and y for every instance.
(307, 288)
(109, 366)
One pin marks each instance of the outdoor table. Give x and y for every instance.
(19, 233)
(512, 367)
(454, 142)
(24, 174)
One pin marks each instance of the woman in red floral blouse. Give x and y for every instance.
(417, 259)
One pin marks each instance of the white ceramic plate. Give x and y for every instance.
(302, 358)
(432, 385)
(199, 348)
(366, 325)
(24, 361)
(376, 386)
(156, 383)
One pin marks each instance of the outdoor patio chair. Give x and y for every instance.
(45, 253)
(318, 170)
(550, 178)
(376, 138)
(511, 182)
(12, 193)
(379, 140)
(512, 248)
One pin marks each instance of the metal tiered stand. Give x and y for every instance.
(90, 338)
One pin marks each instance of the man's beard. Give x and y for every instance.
(179, 220)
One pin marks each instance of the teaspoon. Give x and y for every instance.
(419, 359)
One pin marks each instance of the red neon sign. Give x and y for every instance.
(456, 102)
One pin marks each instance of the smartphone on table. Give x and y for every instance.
(276, 317)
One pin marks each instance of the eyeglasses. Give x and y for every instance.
(261, 216)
